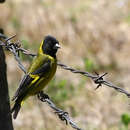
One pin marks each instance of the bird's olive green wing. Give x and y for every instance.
(42, 70)
(39, 70)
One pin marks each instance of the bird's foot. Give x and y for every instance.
(42, 96)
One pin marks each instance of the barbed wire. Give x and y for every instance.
(97, 79)
(64, 116)
(15, 48)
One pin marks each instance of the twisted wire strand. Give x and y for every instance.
(65, 115)
(97, 79)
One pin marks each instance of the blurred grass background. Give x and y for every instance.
(95, 36)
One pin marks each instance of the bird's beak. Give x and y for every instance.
(57, 46)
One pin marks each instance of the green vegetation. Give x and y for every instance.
(125, 119)
(89, 65)
(60, 91)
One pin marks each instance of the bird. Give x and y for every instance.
(39, 74)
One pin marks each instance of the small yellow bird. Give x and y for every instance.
(39, 73)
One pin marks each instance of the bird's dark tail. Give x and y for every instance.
(15, 109)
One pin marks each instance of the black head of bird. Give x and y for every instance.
(50, 46)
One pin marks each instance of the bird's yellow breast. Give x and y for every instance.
(42, 82)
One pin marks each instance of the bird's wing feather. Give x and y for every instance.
(40, 70)
(23, 85)
(43, 69)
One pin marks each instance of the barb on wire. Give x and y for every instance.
(15, 49)
(64, 116)
(97, 79)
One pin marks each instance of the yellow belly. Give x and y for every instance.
(43, 82)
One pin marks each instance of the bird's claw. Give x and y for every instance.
(42, 96)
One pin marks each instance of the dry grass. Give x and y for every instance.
(98, 30)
